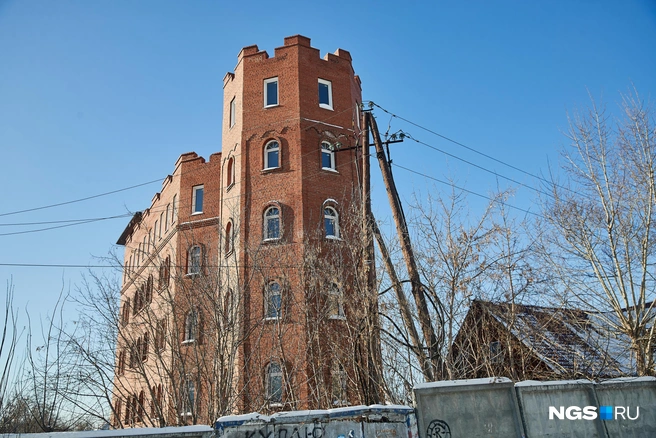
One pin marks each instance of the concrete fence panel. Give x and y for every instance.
(535, 399)
(468, 408)
(633, 400)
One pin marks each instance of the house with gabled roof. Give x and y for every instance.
(527, 342)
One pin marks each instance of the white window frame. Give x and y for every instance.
(195, 190)
(269, 81)
(335, 218)
(268, 293)
(267, 166)
(325, 146)
(270, 375)
(233, 112)
(329, 84)
(190, 267)
(277, 217)
(192, 320)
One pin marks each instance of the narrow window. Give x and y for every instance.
(164, 272)
(327, 156)
(189, 397)
(166, 218)
(144, 348)
(161, 225)
(273, 301)
(160, 335)
(335, 302)
(230, 172)
(339, 384)
(331, 223)
(174, 212)
(194, 262)
(272, 223)
(270, 92)
(325, 94)
(273, 383)
(233, 112)
(272, 155)
(191, 326)
(197, 204)
(228, 238)
(496, 353)
(155, 231)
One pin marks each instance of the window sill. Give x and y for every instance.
(330, 169)
(272, 318)
(188, 342)
(275, 405)
(196, 213)
(269, 169)
(193, 274)
(337, 317)
(271, 106)
(271, 240)
(335, 238)
(326, 106)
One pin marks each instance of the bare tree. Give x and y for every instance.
(601, 222)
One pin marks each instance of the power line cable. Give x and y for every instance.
(477, 166)
(469, 148)
(496, 201)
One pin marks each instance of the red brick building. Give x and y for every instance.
(241, 289)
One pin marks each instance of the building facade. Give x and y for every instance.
(241, 289)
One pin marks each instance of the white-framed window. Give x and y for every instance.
(272, 155)
(197, 201)
(191, 326)
(273, 301)
(330, 223)
(272, 223)
(325, 94)
(166, 217)
(270, 92)
(194, 262)
(174, 212)
(335, 302)
(273, 383)
(327, 156)
(233, 112)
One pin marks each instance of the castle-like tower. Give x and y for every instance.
(241, 289)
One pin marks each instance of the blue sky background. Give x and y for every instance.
(100, 95)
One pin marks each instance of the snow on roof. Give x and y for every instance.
(463, 382)
(566, 340)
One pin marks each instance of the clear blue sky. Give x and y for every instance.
(100, 95)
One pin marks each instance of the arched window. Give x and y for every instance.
(331, 223)
(335, 302)
(272, 223)
(230, 172)
(273, 301)
(140, 408)
(327, 156)
(189, 397)
(272, 155)
(228, 238)
(144, 348)
(194, 261)
(273, 383)
(191, 326)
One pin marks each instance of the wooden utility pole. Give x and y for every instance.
(430, 338)
(371, 336)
